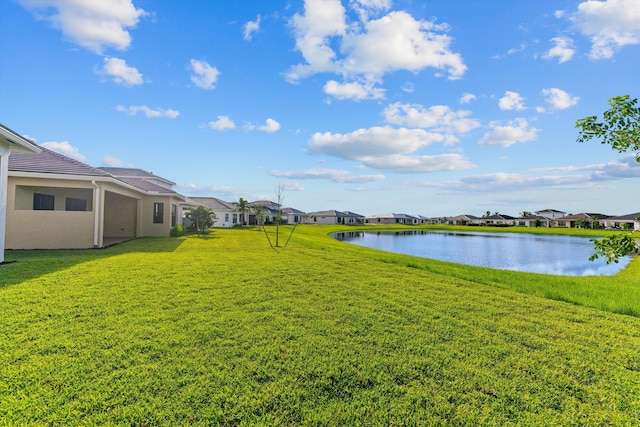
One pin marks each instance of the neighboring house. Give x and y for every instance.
(333, 217)
(632, 221)
(550, 213)
(463, 219)
(292, 216)
(422, 219)
(532, 220)
(269, 213)
(499, 219)
(226, 213)
(392, 218)
(151, 184)
(55, 202)
(573, 221)
(10, 142)
(437, 220)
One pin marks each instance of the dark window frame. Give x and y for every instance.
(44, 202)
(76, 205)
(158, 213)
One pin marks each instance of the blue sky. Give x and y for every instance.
(436, 108)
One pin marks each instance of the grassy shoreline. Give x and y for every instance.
(224, 330)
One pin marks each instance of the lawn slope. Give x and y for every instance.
(224, 330)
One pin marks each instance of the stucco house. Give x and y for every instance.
(499, 219)
(226, 212)
(532, 220)
(392, 218)
(573, 221)
(9, 142)
(632, 221)
(550, 213)
(334, 217)
(56, 202)
(292, 216)
(269, 211)
(464, 219)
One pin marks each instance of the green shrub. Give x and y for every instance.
(177, 231)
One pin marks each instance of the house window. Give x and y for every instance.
(174, 215)
(296, 218)
(226, 217)
(43, 202)
(72, 204)
(158, 213)
(235, 218)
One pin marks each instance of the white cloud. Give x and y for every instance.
(335, 175)
(387, 149)
(204, 75)
(563, 50)
(372, 142)
(222, 123)
(511, 101)
(112, 162)
(94, 25)
(399, 163)
(398, 42)
(559, 99)
(355, 91)
(627, 167)
(121, 73)
(467, 98)
(250, 28)
(409, 87)
(148, 112)
(609, 24)
(320, 21)
(65, 149)
(292, 186)
(218, 190)
(562, 178)
(440, 118)
(369, 48)
(270, 126)
(515, 131)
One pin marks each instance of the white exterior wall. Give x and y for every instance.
(4, 171)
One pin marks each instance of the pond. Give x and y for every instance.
(535, 253)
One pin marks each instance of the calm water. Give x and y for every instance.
(562, 255)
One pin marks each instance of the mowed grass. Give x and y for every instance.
(224, 330)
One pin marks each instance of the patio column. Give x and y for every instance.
(4, 172)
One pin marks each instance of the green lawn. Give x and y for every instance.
(224, 330)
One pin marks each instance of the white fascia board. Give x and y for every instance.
(17, 142)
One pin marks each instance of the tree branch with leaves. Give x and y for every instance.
(621, 129)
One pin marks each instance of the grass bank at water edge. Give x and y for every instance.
(224, 330)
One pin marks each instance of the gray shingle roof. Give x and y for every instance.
(213, 203)
(135, 173)
(49, 161)
(628, 217)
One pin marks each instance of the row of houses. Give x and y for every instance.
(50, 201)
(551, 218)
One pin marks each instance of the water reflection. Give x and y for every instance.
(547, 254)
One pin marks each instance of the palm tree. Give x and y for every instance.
(259, 213)
(242, 206)
(202, 217)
